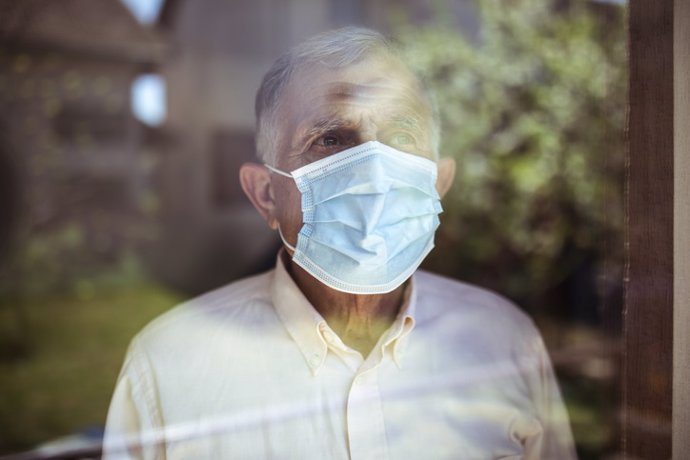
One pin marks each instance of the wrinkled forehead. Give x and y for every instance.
(379, 72)
(378, 82)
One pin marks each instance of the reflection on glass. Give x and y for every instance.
(106, 223)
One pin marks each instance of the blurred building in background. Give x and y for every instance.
(73, 170)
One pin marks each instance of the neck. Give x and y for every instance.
(359, 320)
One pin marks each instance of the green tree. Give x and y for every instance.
(534, 112)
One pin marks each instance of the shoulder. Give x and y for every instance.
(463, 306)
(198, 320)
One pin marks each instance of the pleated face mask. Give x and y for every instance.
(369, 215)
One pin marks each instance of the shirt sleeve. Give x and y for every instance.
(554, 439)
(134, 426)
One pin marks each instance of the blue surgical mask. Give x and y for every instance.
(369, 215)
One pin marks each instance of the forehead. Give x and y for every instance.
(378, 85)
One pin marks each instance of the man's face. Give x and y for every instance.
(324, 111)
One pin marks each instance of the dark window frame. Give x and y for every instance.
(654, 410)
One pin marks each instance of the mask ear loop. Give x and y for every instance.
(278, 171)
(287, 245)
(282, 173)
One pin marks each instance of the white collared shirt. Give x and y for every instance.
(252, 370)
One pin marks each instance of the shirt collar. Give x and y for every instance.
(299, 316)
(305, 325)
(397, 334)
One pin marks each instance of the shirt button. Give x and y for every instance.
(315, 360)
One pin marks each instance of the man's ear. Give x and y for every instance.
(446, 174)
(256, 183)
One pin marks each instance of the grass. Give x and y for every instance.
(58, 378)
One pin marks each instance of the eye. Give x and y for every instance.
(402, 139)
(328, 140)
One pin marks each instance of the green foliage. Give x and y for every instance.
(534, 114)
(65, 382)
(61, 261)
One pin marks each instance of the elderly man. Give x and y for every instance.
(342, 351)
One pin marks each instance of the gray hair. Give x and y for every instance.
(336, 49)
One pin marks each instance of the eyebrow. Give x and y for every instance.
(328, 124)
(324, 125)
(406, 120)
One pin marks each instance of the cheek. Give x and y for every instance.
(289, 207)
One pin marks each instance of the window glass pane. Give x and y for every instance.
(123, 197)
(148, 99)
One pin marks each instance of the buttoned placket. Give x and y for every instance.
(365, 422)
(366, 431)
(365, 426)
